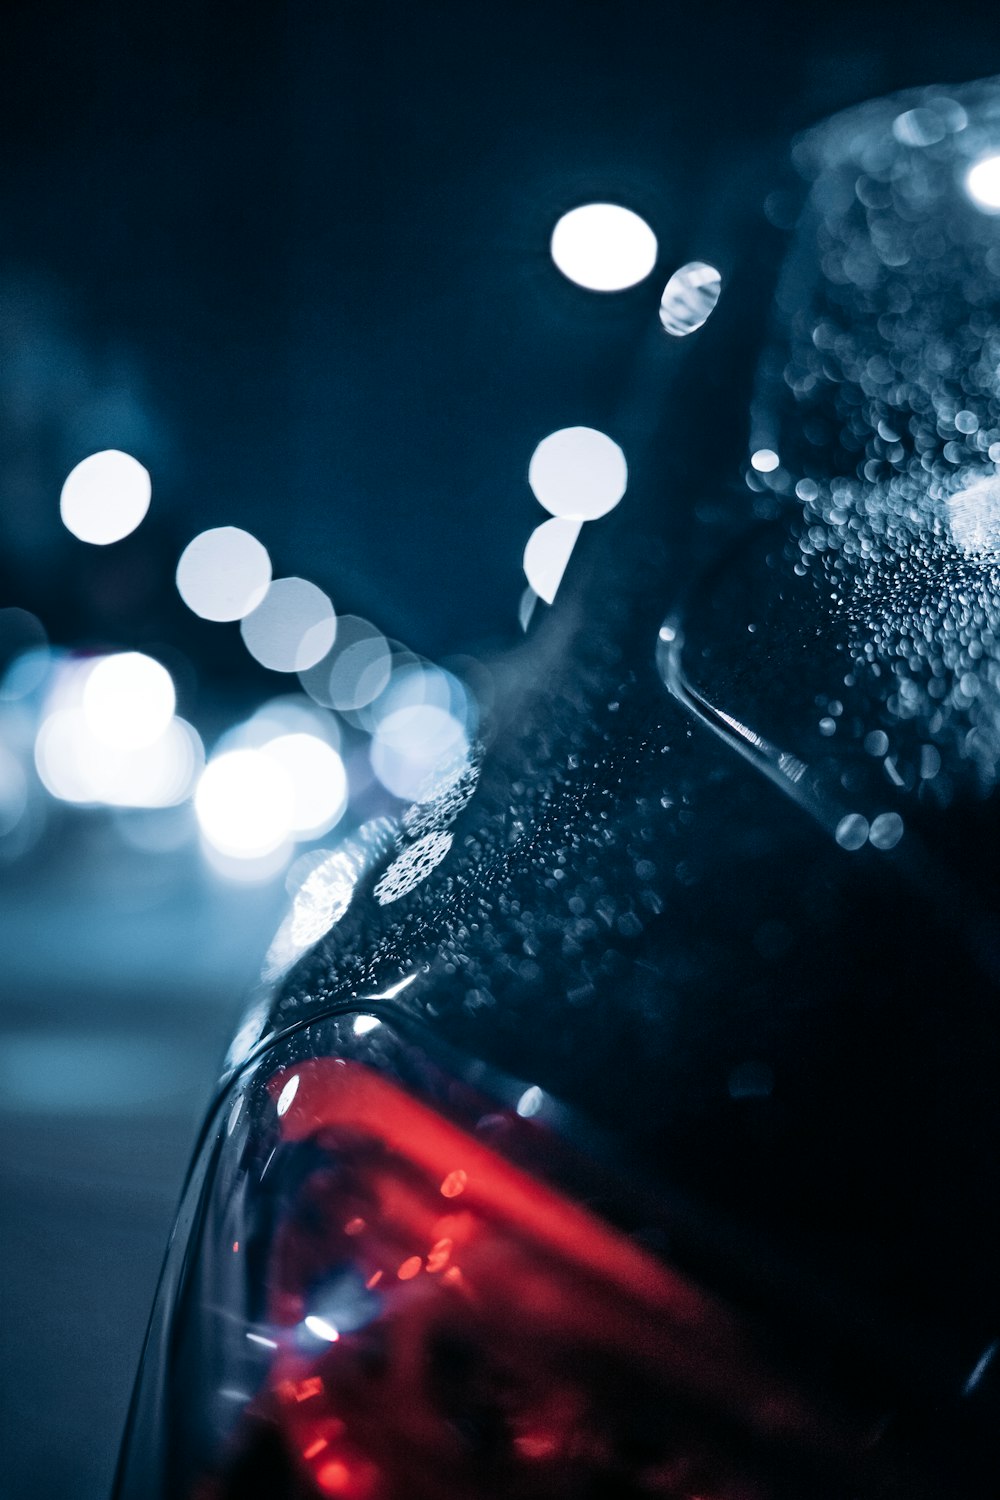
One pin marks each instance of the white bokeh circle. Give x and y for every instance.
(105, 497)
(578, 473)
(292, 628)
(603, 247)
(223, 573)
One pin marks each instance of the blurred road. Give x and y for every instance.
(121, 974)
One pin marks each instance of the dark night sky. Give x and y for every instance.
(296, 259)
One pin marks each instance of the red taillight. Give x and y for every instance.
(387, 1284)
(447, 1326)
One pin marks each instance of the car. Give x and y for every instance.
(622, 1119)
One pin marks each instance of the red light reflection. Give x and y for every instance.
(511, 1345)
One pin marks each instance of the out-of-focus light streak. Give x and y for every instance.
(321, 1329)
(389, 993)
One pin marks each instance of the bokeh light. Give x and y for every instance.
(26, 674)
(318, 780)
(983, 183)
(223, 574)
(604, 247)
(245, 804)
(292, 628)
(411, 743)
(105, 497)
(974, 517)
(304, 743)
(689, 298)
(851, 832)
(128, 700)
(412, 866)
(75, 766)
(929, 122)
(360, 672)
(22, 635)
(287, 1095)
(578, 473)
(324, 896)
(288, 713)
(355, 671)
(886, 830)
(107, 736)
(441, 800)
(13, 791)
(325, 882)
(415, 682)
(322, 1329)
(549, 548)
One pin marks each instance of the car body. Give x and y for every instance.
(616, 1121)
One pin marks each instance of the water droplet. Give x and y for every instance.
(886, 830)
(689, 298)
(852, 831)
(413, 866)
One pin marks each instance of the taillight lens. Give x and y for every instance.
(387, 1282)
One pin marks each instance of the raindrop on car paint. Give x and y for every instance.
(852, 831)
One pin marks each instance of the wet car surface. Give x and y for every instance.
(772, 1017)
(781, 996)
